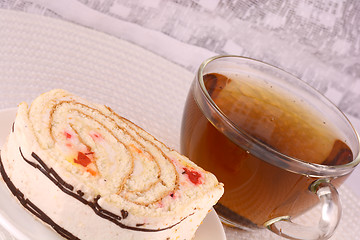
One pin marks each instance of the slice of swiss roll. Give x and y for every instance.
(91, 174)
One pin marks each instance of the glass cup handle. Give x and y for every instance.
(330, 216)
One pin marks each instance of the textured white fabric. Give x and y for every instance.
(39, 53)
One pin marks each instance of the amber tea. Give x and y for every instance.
(256, 190)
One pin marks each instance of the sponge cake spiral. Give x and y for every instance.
(92, 174)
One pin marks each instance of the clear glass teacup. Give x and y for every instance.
(279, 146)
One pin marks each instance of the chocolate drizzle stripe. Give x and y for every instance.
(69, 189)
(124, 213)
(31, 207)
(50, 173)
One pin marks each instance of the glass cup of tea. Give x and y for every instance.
(278, 145)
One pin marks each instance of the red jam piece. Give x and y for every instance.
(96, 136)
(193, 176)
(82, 159)
(67, 135)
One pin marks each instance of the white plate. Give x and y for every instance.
(39, 53)
(22, 225)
